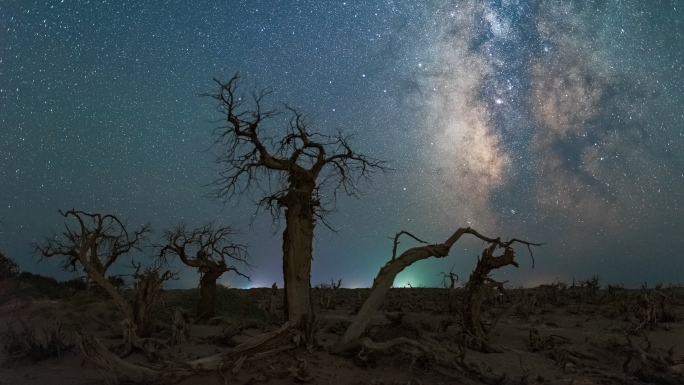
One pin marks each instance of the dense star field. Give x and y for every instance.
(556, 122)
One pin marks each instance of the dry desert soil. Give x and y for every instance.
(553, 334)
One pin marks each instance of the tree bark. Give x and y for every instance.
(477, 287)
(206, 304)
(96, 352)
(297, 256)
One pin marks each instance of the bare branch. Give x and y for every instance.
(207, 248)
(396, 241)
(99, 240)
(249, 160)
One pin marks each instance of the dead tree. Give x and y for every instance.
(95, 245)
(285, 337)
(396, 265)
(208, 249)
(450, 288)
(477, 288)
(327, 293)
(453, 278)
(299, 172)
(97, 242)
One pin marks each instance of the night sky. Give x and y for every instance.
(559, 122)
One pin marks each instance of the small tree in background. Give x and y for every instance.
(95, 244)
(209, 249)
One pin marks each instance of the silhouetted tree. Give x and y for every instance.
(385, 278)
(207, 249)
(477, 288)
(96, 243)
(298, 171)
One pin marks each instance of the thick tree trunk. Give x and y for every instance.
(297, 255)
(97, 267)
(206, 304)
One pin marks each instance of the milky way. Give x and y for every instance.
(557, 122)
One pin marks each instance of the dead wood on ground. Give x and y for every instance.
(272, 342)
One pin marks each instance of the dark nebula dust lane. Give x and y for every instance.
(561, 123)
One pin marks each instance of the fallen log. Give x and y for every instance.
(169, 372)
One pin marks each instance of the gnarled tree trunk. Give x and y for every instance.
(206, 304)
(478, 286)
(297, 255)
(388, 273)
(145, 294)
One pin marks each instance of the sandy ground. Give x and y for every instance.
(568, 339)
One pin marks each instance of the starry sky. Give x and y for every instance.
(558, 122)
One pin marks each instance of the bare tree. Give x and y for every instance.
(96, 243)
(453, 278)
(479, 285)
(299, 172)
(383, 281)
(208, 249)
